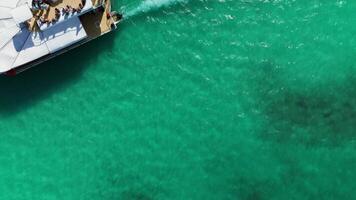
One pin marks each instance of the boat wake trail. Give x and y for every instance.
(150, 5)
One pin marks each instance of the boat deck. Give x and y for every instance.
(50, 14)
(95, 23)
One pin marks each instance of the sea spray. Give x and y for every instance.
(149, 5)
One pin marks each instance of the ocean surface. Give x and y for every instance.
(191, 99)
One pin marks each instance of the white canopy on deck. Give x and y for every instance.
(21, 14)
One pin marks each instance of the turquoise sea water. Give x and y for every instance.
(199, 99)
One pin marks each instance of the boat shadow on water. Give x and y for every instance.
(28, 88)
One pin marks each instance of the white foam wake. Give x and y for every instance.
(149, 5)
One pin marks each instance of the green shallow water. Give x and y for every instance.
(194, 100)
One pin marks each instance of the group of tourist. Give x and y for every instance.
(64, 11)
(69, 9)
(40, 4)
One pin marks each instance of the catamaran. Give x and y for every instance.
(34, 31)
